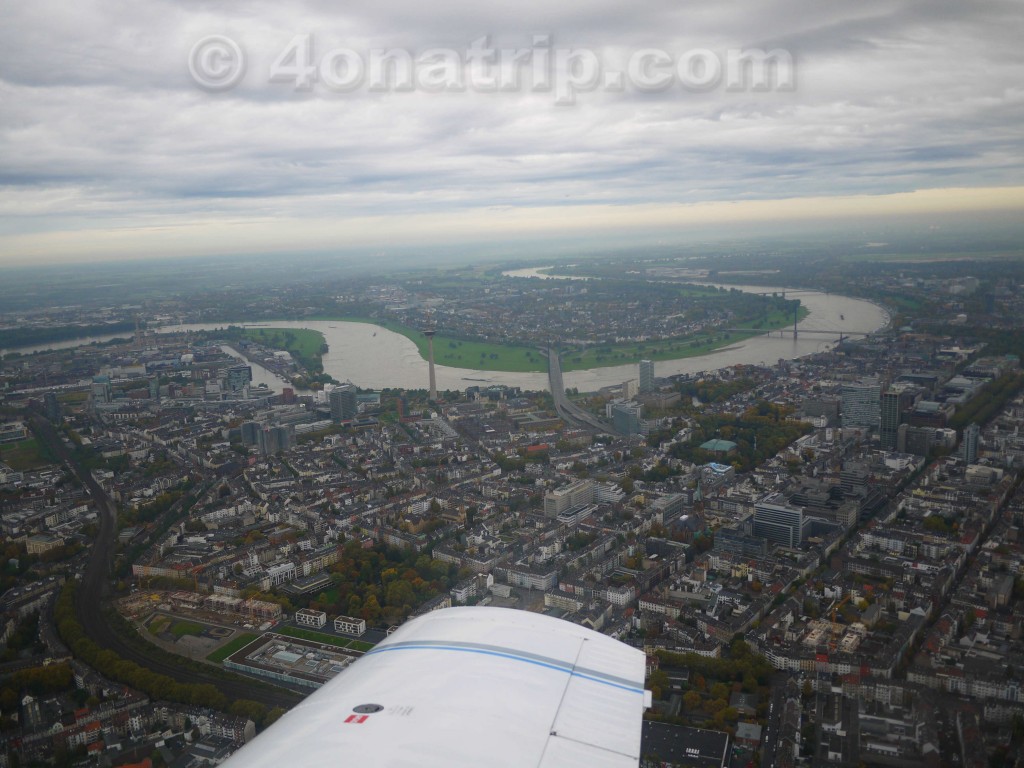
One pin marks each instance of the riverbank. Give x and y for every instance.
(465, 353)
(664, 350)
(374, 355)
(454, 352)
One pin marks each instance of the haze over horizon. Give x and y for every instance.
(899, 109)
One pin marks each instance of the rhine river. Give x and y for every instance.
(374, 357)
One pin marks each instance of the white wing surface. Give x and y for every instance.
(470, 687)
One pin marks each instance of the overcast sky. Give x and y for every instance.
(110, 149)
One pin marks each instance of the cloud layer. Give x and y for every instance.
(105, 138)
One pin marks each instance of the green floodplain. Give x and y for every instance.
(305, 345)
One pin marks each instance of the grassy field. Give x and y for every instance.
(303, 344)
(182, 628)
(459, 353)
(25, 455)
(233, 647)
(314, 637)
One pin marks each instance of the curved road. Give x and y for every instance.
(95, 585)
(567, 410)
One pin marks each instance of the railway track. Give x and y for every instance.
(94, 587)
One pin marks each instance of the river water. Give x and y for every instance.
(374, 357)
(825, 312)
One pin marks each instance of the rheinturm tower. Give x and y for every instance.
(430, 361)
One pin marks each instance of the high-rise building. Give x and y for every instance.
(630, 389)
(627, 417)
(251, 432)
(272, 440)
(51, 407)
(861, 404)
(918, 441)
(238, 377)
(896, 400)
(970, 444)
(343, 402)
(646, 376)
(780, 522)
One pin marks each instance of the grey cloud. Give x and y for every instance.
(99, 117)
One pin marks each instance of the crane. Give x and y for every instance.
(835, 627)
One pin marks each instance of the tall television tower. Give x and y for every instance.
(429, 333)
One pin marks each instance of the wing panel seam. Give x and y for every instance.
(557, 665)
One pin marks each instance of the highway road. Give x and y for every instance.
(95, 586)
(567, 410)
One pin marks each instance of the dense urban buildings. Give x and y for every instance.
(821, 557)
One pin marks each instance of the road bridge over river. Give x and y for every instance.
(566, 409)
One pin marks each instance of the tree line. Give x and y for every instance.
(153, 684)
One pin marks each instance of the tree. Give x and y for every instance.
(658, 682)
(273, 716)
(691, 699)
(251, 710)
(749, 683)
(716, 705)
(371, 609)
(400, 593)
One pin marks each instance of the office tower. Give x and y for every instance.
(250, 433)
(238, 377)
(276, 439)
(343, 402)
(267, 441)
(646, 376)
(430, 363)
(894, 402)
(630, 389)
(861, 404)
(779, 522)
(918, 441)
(970, 444)
(51, 407)
(626, 417)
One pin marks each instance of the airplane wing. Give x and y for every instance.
(470, 687)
